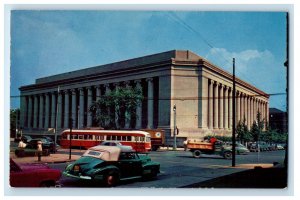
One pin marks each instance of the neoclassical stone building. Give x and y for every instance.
(201, 91)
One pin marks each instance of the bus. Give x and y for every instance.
(139, 140)
(157, 138)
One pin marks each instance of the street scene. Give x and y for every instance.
(149, 99)
(178, 168)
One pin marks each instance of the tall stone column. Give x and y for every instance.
(41, 112)
(242, 107)
(127, 112)
(255, 109)
(53, 110)
(107, 91)
(246, 109)
(150, 103)
(116, 85)
(138, 122)
(203, 105)
(59, 111)
(267, 107)
(74, 107)
(249, 112)
(89, 103)
(23, 111)
(226, 89)
(29, 125)
(35, 111)
(47, 108)
(230, 118)
(98, 92)
(210, 105)
(238, 107)
(81, 107)
(216, 106)
(221, 109)
(66, 115)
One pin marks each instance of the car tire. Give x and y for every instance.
(197, 154)
(111, 180)
(228, 155)
(153, 173)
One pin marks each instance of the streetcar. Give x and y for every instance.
(139, 140)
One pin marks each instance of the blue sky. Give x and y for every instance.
(45, 43)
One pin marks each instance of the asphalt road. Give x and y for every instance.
(179, 169)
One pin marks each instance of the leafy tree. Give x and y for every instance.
(242, 132)
(14, 121)
(116, 107)
(257, 127)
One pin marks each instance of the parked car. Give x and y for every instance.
(111, 143)
(280, 147)
(110, 164)
(263, 146)
(33, 175)
(239, 148)
(24, 138)
(27, 152)
(32, 144)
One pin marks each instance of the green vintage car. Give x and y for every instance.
(110, 164)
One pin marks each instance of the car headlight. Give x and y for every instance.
(68, 167)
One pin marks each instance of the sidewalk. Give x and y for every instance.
(60, 156)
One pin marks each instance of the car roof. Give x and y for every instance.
(107, 153)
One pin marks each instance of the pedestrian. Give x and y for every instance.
(22, 144)
(39, 150)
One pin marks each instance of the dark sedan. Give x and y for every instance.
(32, 144)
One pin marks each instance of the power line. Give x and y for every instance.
(177, 19)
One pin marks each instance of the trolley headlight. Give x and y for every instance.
(157, 134)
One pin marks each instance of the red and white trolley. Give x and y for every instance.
(139, 140)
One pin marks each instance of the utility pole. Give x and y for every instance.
(71, 126)
(286, 64)
(175, 145)
(233, 115)
(56, 121)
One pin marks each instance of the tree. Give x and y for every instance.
(117, 108)
(257, 127)
(14, 121)
(242, 132)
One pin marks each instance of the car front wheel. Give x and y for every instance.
(111, 180)
(227, 155)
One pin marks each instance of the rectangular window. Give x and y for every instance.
(108, 137)
(74, 137)
(80, 137)
(119, 138)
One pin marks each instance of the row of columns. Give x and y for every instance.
(40, 114)
(220, 106)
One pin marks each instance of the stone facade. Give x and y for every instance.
(201, 91)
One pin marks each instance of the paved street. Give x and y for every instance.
(179, 168)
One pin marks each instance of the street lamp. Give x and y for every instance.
(174, 109)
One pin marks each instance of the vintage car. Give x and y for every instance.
(33, 175)
(110, 164)
(239, 148)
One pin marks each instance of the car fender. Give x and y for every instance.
(107, 169)
(150, 165)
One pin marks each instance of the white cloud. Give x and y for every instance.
(222, 57)
(259, 68)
